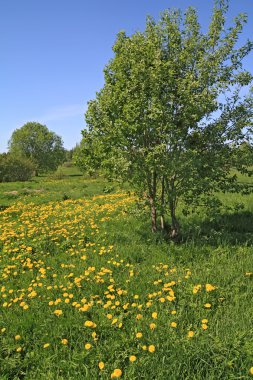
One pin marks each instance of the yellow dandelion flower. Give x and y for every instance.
(152, 326)
(251, 371)
(190, 334)
(173, 324)
(87, 346)
(46, 345)
(101, 365)
(208, 305)
(58, 312)
(154, 315)
(138, 335)
(132, 358)
(17, 337)
(151, 348)
(64, 341)
(116, 373)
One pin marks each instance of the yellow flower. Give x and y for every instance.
(138, 316)
(204, 320)
(46, 345)
(132, 358)
(90, 324)
(151, 348)
(251, 371)
(210, 288)
(138, 335)
(154, 315)
(144, 347)
(152, 326)
(173, 324)
(208, 305)
(58, 312)
(64, 341)
(17, 337)
(116, 373)
(173, 312)
(204, 326)
(87, 346)
(19, 349)
(101, 365)
(190, 334)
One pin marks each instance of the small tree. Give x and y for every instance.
(43, 147)
(171, 113)
(14, 168)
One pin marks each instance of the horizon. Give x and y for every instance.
(54, 55)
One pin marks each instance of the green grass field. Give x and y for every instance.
(88, 292)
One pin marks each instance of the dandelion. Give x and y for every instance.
(190, 334)
(208, 305)
(138, 335)
(87, 346)
(116, 373)
(251, 371)
(204, 320)
(19, 349)
(17, 337)
(132, 358)
(101, 365)
(151, 348)
(204, 326)
(64, 342)
(58, 312)
(173, 324)
(210, 288)
(152, 326)
(154, 315)
(46, 345)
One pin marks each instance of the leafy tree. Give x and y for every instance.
(15, 168)
(43, 147)
(173, 110)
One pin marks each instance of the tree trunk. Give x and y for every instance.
(153, 214)
(162, 206)
(152, 197)
(174, 222)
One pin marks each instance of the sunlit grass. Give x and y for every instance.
(88, 292)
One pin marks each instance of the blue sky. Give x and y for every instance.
(53, 53)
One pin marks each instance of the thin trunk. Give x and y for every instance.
(153, 214)
(152, 197)
(162, 206)
(174, 222)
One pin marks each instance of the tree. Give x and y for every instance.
(13, 168)
(173, 110)
(43, 147)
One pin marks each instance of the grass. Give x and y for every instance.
(80, 250)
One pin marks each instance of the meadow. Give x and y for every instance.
(88, 292)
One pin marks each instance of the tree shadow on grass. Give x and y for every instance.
(236, 228)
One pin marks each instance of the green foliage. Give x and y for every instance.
(173, 111)
(15, 168)
(43, 147)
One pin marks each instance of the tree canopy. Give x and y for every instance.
(174, 108)
(43, 147)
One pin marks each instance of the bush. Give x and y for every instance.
(15, 168)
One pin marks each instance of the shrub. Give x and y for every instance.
(15, 168)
